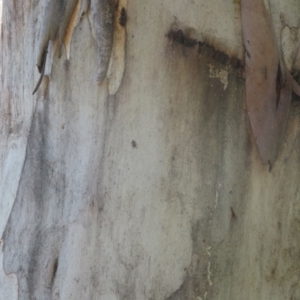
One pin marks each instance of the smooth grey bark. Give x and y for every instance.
(157, 192)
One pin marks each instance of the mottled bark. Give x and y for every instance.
(155, 192)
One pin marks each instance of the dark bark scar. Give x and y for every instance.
(233, 214)
(123, 17)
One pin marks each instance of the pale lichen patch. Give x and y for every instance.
(221, 74)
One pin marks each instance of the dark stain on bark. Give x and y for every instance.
(181, 38)
(204, 48)
(233, 214)
(54, 270)
(133, 144)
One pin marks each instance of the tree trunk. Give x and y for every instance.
(148, 185)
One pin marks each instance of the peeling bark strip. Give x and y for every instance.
(116, 66)
(102, 13)
(268, 82)
(56, 18)
(56, 21)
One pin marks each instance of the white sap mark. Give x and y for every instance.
(199, 298)
(216, 199)
(208, 251)
(209, 275)
(217, 195)
(221, 74)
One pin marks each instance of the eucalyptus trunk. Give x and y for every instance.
(147, 184)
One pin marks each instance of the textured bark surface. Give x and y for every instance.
(157, 192)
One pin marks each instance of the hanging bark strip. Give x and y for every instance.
(116, 66)
(61, 17)
(268, 83)
(102, 15)
(56, 18)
